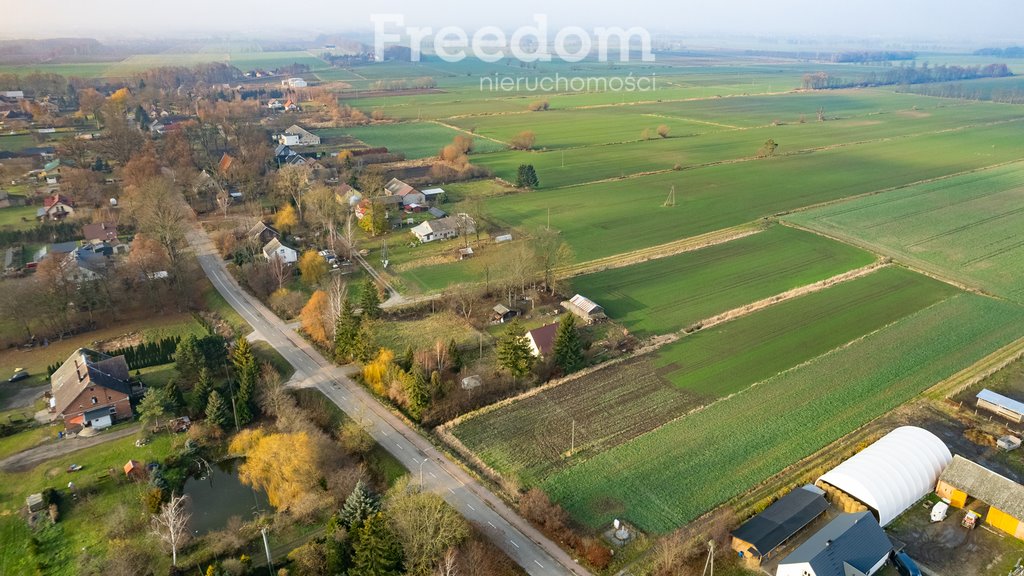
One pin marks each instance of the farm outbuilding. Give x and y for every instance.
(758, 538)
(585, 308)
(963, 480)
(888, 476)
(850, 545)
(1004, 406)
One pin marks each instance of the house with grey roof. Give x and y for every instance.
(758, 538)
(91, 389)
(850, 545)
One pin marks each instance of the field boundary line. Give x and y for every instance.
(464, 131)
(977, 372)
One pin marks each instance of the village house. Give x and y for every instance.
(347, 195)
(542, 340)
(275, 104)
(91, 389)
(285, 156)
(294, 83)
(262, 232)
(440, 229)
(56, 207)
(295, 135)
(276, 248)
(407, 193)
(102, 231)
(83, 264)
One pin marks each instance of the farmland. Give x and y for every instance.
(696, 370)
(670, 293)
(966, 227)
(670, 476)
(414, 139)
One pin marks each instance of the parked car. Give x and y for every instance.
(904, 565)
(19, 374)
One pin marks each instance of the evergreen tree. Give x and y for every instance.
(201, 392)
(455, 360)
(514, 352)
(188, 359)
(217, 412)
(526, 176)
(417, 393)
(568, 349)
(359, 505)
(407, 359)
(369, 299)
(247, 371)
(345, 333)
(153, 407)
(377, 550)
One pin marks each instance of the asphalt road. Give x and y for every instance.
(525, 545)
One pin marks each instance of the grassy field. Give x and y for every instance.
(612, 217)
(414, 139)
(418, 334)
(702, 368)
(670, 293)
(18, 218)
(668, 477)
(967, 227)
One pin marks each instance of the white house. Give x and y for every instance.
(13, 94)
(297, 136)
(294, 83)
(850, 545)
(542, 340)
(440, 229)
(275, 104)
(286, 254)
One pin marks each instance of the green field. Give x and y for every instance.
(966, 227)
(414, 139)
(694, 371)
(607, 218)
(670, 293)
(670, 476)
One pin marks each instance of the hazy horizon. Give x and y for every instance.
(983, 22)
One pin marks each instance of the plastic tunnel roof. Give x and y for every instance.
(894, 472)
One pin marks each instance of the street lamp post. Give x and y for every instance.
(422, 462)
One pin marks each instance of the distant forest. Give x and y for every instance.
(1011, 52)
(906, 75)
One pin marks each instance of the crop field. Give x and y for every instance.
(1009, 89)
(701, 367)
(607, 218)
(967, 227)
(415, 139)
(668, 294)
(668, 477)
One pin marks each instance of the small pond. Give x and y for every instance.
(218, 495)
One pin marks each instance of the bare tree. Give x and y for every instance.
(292, 182)
(463, 298)
(279, 270)
(337, 293)
(171, 524)
(223, 201)
(448, 565)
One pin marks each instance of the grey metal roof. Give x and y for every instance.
(985, 485)
(783, 519)
(1000, 400)
(853, 539)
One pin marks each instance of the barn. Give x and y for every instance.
(758, 538)
(888, 476)
(1006, 407)
(585, 308)
(964, 480)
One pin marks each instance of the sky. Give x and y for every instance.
(981, 21)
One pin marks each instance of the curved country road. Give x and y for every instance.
(525, 545)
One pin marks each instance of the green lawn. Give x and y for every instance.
(666, 478)
(18, 218)
(423, 333)
(670, 293)
(967, 227)
(414, 139)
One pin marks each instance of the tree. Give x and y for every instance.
(287, 466)
(346, 331)
(375, 220)
(523, 141)
(76, 150)
(171, 525)
(526, 176)
(247, 371)
(359, 506)
(201, 392)
(312, 267)
(645, 134)
(454, 356)
(663, 131)
(189, 359)
(767, 149)
(426, 527)
(568, 348)
(292, 182)
(377, 552)
(354, 439)
(285, 218)
(314, 317)
(369, 299)
(153, 406)
(514, 352)
(90, 101)
(217, 412)
(416, 393)
(550, 252)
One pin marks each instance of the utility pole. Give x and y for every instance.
(572, 443)
(266, 546)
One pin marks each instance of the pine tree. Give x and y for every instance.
(364, 348)
(201, 392)
(369, 299)
(568, 346)
(359, 505)
(345, 333)
(377, 550)
(455, 360)
(526, 176)
(217, 411)
(406, 360)
(417, 393)
(247, 370)
(514, 352)
(188, 359)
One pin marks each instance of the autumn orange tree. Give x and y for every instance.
(287, 466)
(313, 267)
(285, 219)
(313, 317)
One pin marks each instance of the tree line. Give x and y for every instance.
(906, 75)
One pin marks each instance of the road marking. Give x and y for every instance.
(452, 491)
(516, 545)
(399, 446)
(471, 507)
(491, 525)
(538, 563)
(432, 474)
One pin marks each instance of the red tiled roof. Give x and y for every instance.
(49, 201)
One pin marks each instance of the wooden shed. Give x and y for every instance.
(135, 470)
(963, 480)
(1004, 406)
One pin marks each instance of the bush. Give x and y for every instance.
(287, 303)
